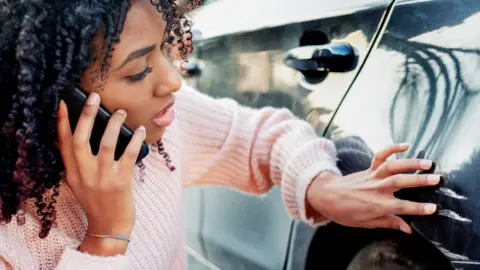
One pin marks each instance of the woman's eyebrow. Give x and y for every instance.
(137, 54)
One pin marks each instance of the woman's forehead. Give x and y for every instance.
(143, 27)
(141, 15)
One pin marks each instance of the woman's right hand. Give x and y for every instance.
(102, 185)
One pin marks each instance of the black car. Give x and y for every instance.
(371, 71)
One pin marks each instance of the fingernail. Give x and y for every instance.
(430, 208)
(425, 164)
(142, 129)
(61, 108)
(403, 145)
(93, 98)
(433, 179)
(122, 112)
(406, 229)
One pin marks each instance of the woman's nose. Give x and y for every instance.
(169, 82)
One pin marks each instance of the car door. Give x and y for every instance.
(241, 54)
(421, 85)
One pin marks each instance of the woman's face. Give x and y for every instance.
(141, 78)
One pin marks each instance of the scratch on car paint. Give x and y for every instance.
(451, 193)
(449, 254)
(453, 215)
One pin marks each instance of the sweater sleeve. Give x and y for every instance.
(251, 149)
(14, 254)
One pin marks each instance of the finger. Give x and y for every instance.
(64, 137)
(392, 167)
(401, 181)
(403, 207)
(130, 155)
(83, 130)
(382, 156)
(388, 222)
(109, 140)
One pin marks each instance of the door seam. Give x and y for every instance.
(377, 37)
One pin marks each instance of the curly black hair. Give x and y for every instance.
(45, 45)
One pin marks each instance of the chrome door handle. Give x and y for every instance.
(333, 57)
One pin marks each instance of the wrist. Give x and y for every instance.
(314, 193)
(103, 246)
(321, 179)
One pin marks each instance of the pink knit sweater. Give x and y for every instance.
(211, 142)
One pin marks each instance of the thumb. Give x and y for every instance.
(389, 222)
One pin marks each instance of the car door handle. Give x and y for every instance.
(333, 57)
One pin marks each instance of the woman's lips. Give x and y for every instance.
(165, 117)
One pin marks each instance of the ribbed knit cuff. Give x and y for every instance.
(303, 167)
(304, 181)
(74, 259)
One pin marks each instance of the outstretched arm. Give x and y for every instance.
(251, 149)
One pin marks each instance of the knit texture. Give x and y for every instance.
(353, 154)
(211, 142)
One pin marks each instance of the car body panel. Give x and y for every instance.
(240, 231)
(421, 85)
(229, 17)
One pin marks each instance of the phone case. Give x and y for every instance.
(75, 99)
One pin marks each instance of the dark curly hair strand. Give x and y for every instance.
(45, 45)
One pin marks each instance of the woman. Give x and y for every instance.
(74, 209)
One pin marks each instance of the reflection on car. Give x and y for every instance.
(415, 79)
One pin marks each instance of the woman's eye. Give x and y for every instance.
(140, 76)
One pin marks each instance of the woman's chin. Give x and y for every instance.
(155, 135)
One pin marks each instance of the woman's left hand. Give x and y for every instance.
(366, 199)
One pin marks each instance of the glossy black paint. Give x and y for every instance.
(456, 229)
(250, 66)
(466, 265)
(248, 232)
(421, 85)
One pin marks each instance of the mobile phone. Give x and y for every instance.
(75, 98)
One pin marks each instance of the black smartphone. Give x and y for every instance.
(75, 98)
